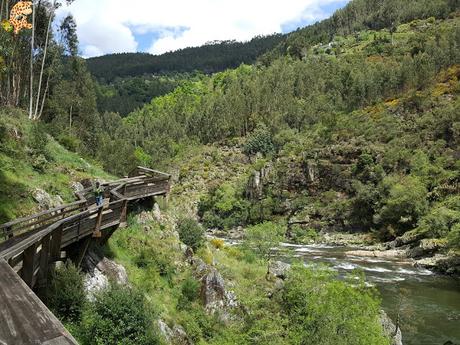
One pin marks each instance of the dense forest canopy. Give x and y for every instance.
(209, 58)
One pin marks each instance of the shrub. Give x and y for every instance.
(217, 243)
(191, 233)
(324, 310)
(189, 292)
(260, 141)
(70, 142)
(66, 293)
(38, 140)
(118, 315)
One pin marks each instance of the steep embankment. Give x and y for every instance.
(36, 172)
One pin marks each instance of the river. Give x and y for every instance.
(430, 302)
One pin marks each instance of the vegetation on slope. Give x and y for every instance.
(209, 58)
(30, 159)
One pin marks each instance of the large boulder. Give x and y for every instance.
(214, 296)
(100, 271)
(279, 269)
(175, 335)
(441, 263)
(390, 330)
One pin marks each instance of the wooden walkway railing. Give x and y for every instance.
(32, 245)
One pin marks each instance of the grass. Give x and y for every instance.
(20, 176)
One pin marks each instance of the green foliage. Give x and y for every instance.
(189, 292)
(224, 208)
(324, 310)
(191, 233)
(119, 315)
(70, 142)
(38, 140)
(263, 238)
(260, 141)
(405, 201)
(66, 293)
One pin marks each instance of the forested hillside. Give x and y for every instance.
(209, 58)
(344, 127)
(361, 15)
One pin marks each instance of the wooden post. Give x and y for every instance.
(97, 230)
(124, 213)
(44, 265)
(44, 260)
(28, 264)
(9, 232)
(55, 250)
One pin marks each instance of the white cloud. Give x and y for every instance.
(108, 26)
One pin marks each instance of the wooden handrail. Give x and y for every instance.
(137, 186)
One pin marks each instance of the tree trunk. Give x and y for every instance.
(44, 96)
(43, 65)
(31, 95)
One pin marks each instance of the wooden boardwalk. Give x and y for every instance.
(32, 245)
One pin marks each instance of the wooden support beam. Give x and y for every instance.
(124, 213)
(44, 263)
(55, 250)
(97, 230)
(28, 264)
(83, 248)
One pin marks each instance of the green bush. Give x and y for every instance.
(191, 233)
(260, 141)
(189, 293)
(66, 293)
(70, 142)
(119, 315)
(324, 310)
(38, 140)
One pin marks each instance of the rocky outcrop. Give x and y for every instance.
(441, 263)
(279, 269)
(426, 247)
(46, 201)
(257, 181)
(390, 329)
(100, 271)
(215, 298)
(175, 335)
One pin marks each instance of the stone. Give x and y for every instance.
(46, 201)
(215, 298)
(391, 253)
(76, 187)
(144, 218)
(174, 336)
(279, 269)
(390, 330)
(100, 271)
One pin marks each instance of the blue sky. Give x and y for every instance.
(155, 26)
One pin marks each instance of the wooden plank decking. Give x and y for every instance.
(24, 319)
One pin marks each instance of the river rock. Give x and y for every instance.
(390, 329)
(441, 263)
(426, 247)
(279, 269)
(391, 253)
(174, 336)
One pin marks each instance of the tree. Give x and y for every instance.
(263, 239)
